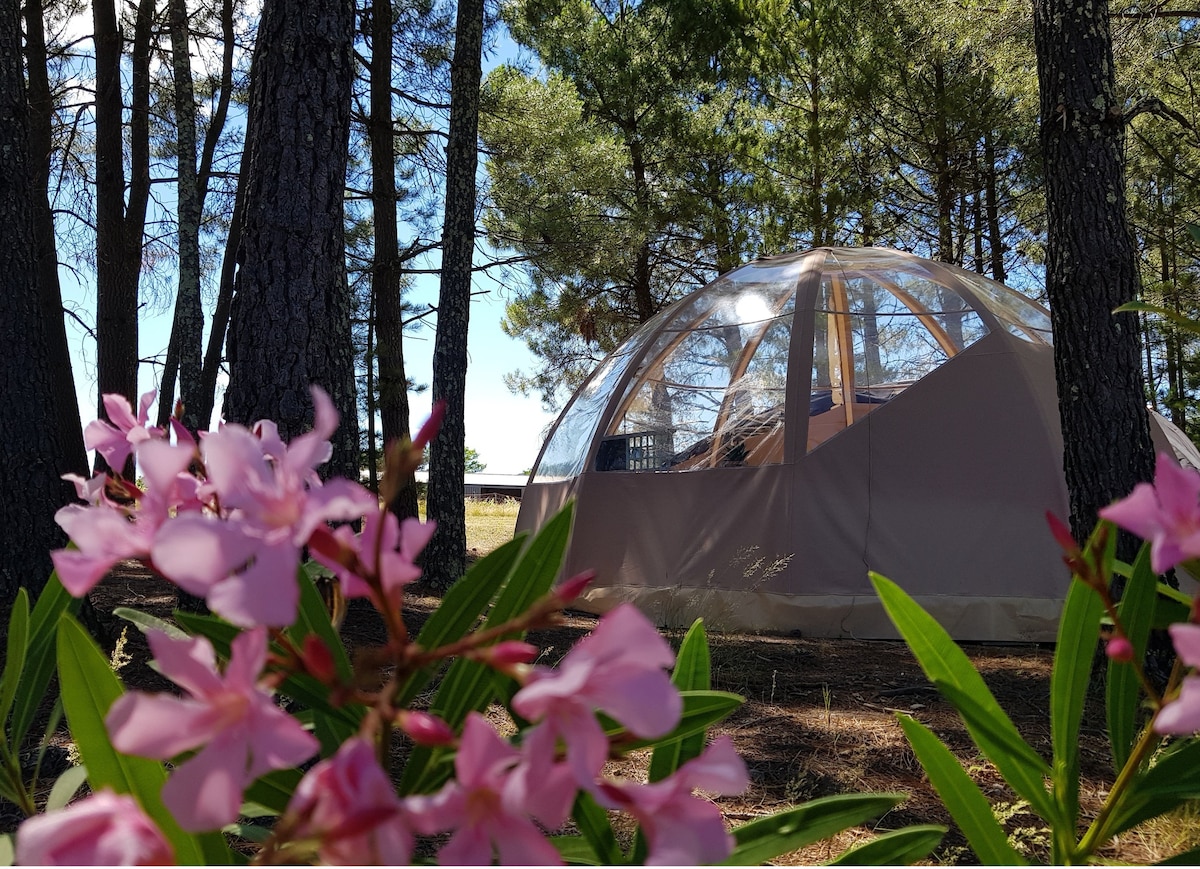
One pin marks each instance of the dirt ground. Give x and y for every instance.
(819, 718)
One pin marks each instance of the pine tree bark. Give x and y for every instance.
(213, 355)
(32, 458)
(1091, 265)
(445, 556)
(41, 112)
(290, 325)
(385, 278)
(119, 226)
(184, 356)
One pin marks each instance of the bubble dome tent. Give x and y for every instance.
(753, 450)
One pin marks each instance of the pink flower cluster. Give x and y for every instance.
(232, 534)
(1167, 514)
(498, 804)
(227, 518)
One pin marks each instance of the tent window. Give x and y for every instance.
(710, 393)
(874, 338)
(567, 449)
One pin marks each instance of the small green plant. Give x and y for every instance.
(1152, 779)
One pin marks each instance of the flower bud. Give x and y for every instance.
(318, 661)
(332, 548)
(1119, 649)
(432, 425)
(182, 435)
(572, 588)
(425, 729)
(1062, 534)
(509, 652)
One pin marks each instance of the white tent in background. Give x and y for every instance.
(750, 453)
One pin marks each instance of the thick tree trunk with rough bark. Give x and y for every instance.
(213, 353)
(445, 558)
(291, 314)
(1091, 266)
(385, 278)
(31, 460)
(41, 112)
(119, 226)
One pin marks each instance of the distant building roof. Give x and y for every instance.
(505, 480)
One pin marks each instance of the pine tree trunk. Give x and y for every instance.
(206, 395)
(290, 323)
(445, 557)
(187, 330)
(41, 112)
(119, 226)
(385, 283)
(31, 461)
(213, 355)
(116, 299)
(1091, 266)
(995, 239)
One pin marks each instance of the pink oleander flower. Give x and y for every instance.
(1166, 513)
(105, 533)
(116, 440)
(488, 810)
(105, 829)
(89, 489)
(349, 805)
(1182, 715)
(272, 500)
(682, 829)
(347, 553)
(618, 669)
(239, 730)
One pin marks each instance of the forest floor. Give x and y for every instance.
(819, 719)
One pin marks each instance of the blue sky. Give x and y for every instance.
(505, 429)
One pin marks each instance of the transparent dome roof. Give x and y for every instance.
(712, 380)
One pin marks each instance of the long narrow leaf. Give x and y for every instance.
(15, 651)
(575, 851)
(89, 688)
(1001, 736)
(945, 664)
(1169, 783)
(65, 787)
(1170, 606)
(462, 607)
(145, 622)
(273, 790)
(1078, 633)
(770, 837)
(692, 673)
(1123, 687)
(593, 824)
(534, 573)
(1190, 857)
(701, 710)
(469, 686)
(1182, 321)
(313, 618)
(896, 848)
(39, 662)
(961, 796)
